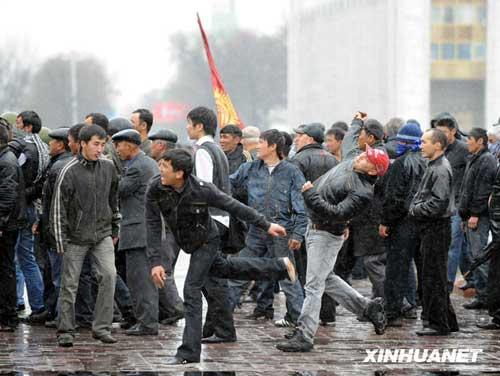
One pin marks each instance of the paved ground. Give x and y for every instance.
(339, 350)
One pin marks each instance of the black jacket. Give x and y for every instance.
(433, 198)
(85, 204)
(477, 185)
(186, 214)
(338, 196)
(55, 166)
(495, 198)
(313, 161)
(12, 201)
(402, 182)
(236, 158)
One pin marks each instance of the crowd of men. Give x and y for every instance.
(92, 220)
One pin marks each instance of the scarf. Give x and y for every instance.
(403, 148)
(43, 154)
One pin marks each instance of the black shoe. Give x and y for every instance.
(172, 319)
(20, 308)
(37, 318)
(292, 333)
(432, 332)
(395, 322)
(411, 314)
(215, 339)
(177, 360)
(128, 323)
(104, 338)
(475, 304)
(327, 323)
(488, 325)
(297, 343)
(375, 313)
(65, 340)
(258, 315)
(139, 330)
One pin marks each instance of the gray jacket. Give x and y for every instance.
(131, 193)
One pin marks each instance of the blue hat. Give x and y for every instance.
(410, 132)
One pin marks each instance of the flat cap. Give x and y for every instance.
(130, 135)
(314, 130)
(59, 133)
(163, 134)
(118, 124)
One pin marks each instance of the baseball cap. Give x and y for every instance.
(379, 158)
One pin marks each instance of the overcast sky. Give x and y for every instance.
(130, 37)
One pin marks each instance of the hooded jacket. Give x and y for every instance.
(85, 204)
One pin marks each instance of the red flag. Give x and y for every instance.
(226, 113)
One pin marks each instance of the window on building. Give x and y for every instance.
(481, 15)
(464, 14)
(448, 15)
(463, 51)
(447, 51)
(437, 14)
(434, 51)
(479, 51)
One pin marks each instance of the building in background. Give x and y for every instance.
(393, 58)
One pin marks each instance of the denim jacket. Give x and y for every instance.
(277, 195)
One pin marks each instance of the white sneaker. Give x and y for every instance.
(290, 268)
(284, 323)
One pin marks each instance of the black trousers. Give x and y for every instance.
(436, 304)
(8, 294)
(402, 243)
(494, 275)
(205, 263)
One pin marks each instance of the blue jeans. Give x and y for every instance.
(27, 263)
(458, 255)
(322, 249)
(260, 244)
(476, 241)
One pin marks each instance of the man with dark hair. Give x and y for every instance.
(430, 210)
(313, 161)
(74, 138)
(230, 143)
(142, 120)
(390, 132)
(211, 165)
(402, 182)
(11, 220)
(342, 125)
(97, 119)
(34, 163)
(84, 220)
(457, 154)
(333, 142)
(332, 201)
(475, 191)
(183, 201)
(273, 189)
(60, 155)
(139, 169)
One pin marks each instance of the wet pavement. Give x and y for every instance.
(338, 350)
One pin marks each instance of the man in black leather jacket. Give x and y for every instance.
(11, 207)
(183, 201)
(335, 198)
(431, 209)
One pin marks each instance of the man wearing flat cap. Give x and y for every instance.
(138, 169)
(162, 140)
